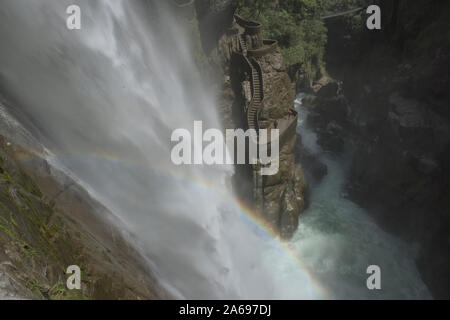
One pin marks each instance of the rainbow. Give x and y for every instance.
(251, 216)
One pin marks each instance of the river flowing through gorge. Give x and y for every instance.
(339, 240)
(104, 100)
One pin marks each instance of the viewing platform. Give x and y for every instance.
(251, 31)
(268, 46)
(286, 126)
(251, 27)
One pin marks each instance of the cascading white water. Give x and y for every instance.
(338, 240)
(105, 100)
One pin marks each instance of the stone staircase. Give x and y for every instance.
(256, 102)
(243, 45)
(257, 88)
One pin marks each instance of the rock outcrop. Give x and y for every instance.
(257, 93)
(283, 193)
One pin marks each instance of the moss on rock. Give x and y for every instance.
(38, 241)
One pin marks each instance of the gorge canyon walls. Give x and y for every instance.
(395, 115)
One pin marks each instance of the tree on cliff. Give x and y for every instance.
(295, 24)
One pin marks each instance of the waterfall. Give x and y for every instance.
(104, 101)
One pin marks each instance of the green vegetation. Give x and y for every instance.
(38, 242)
(59, 292)
(37, 238)
(297, 26)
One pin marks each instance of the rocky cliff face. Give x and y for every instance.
(396, 82)
(48, 223)
(282, 198)
(283, 193)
